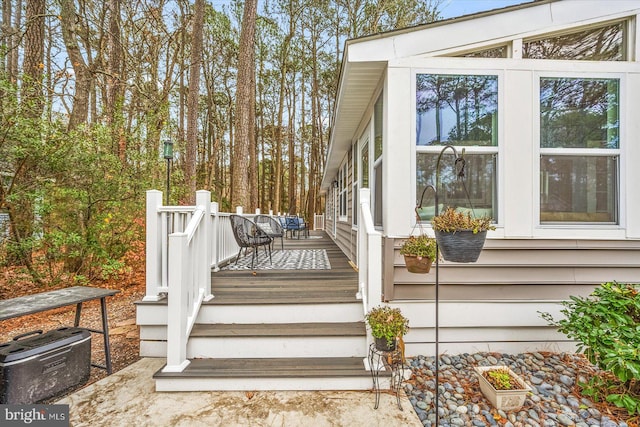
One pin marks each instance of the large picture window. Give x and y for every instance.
(459, 110)
(579, 150)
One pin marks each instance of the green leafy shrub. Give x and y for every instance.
(387, 322)
(421, 246)
(606, 326)
(452, 220)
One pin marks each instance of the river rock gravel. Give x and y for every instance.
(554, 400)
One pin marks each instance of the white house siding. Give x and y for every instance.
(526, 267)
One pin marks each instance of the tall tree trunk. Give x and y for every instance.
(33, 66)
(114, 90)
(80, 109)
(253, 146)
(192, 102)
(293, 203)
(245, 115)
(21, 207)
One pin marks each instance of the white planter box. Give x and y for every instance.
(507, 400)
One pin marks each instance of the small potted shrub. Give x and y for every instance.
(387, 324)
(502, 387)
(460, 235)
(419, 252)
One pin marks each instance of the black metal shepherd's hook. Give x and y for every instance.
(459, 165)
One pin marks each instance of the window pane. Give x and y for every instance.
(377, 120)
(457, 110)
(477, 192)
(597, 44)
(579, 113)
(377, 210)
(495, 52)
(578, 189)
(364, 165)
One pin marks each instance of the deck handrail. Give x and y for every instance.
(369, 255)
(189, 281)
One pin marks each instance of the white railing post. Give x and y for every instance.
(216, 236)
(154, 246)
(239, 210)
(369, 257)
(177, 305)
(203, 198)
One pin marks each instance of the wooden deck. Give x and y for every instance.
(339, 284)
(279, 329)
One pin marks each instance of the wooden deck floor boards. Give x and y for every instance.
(338, 284)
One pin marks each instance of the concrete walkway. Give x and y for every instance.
(128, 398)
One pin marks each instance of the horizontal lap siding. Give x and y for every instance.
(494, 304)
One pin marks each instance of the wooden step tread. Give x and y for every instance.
(273, 368)
(236, 299)
(280, 330)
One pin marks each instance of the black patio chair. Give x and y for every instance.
(271, 226)
(249, 235)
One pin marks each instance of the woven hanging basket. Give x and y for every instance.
(420, 265)
(460, 246)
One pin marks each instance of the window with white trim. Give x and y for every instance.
(579, 150)
(343, 190)
(377, 161)
(354, 187)
(459, 110)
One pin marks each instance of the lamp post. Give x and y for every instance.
(168, 155)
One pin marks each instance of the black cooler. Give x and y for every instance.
(37, 366)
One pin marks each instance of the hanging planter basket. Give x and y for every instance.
(419, 265)
(461, 245)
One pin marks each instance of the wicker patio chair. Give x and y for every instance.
(271, 226)
(249, 235)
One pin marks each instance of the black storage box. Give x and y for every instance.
(37, 366)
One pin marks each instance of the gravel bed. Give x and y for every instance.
(554, 400)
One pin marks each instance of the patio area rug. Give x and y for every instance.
(297, 259)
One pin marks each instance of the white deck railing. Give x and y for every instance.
(318, 222)
(369, 255)
(184, 244)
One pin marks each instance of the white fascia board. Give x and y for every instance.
(545, 65)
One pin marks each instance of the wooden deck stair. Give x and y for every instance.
(276, 330)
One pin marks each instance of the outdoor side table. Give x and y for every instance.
(36, 303)
(382, 360)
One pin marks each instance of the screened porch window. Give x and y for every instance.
(579, 150)
(459, 110)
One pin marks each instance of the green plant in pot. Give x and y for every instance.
(419, 252)
(460, 235)
(387, 324)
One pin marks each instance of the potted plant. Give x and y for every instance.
(419, 252)
(460, 235)
(502, 387)
(387, 324)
